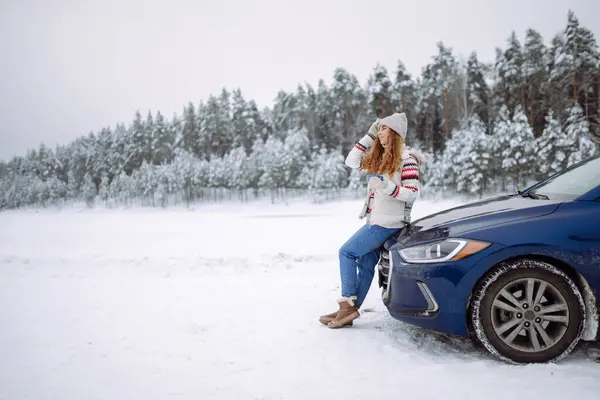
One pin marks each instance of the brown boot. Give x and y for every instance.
(326, 319)
(346, 314)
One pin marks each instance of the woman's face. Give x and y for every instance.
(384, 135)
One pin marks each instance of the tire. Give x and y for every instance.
(518, 332)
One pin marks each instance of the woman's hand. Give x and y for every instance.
(376, 181)
(373, 129)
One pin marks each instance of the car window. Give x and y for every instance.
(573, 183)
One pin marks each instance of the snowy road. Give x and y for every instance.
(220, 303)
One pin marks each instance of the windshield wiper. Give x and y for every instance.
(534, 195)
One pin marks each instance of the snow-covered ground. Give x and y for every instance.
(222, 302)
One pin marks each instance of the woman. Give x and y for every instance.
(393, 186)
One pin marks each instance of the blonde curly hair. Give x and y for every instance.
(383, 161)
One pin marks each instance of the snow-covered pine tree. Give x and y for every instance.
(63, 164)
(442, 177)
(574, 72)
(3, 169)
(305, 115)
(43, 162)
(454, 171)
(285, 113)
(272, 164)
(357, 182)
(518, 159)
(591, 83)
(57, 189)
(146, 182)
(215, 131)
(226, 131)
(535, 80)
(236, 163)
(424, 128)
(117, 156)
(326, 174)
(558, 98)
(134, 144)
(219, 173)
(583, 60)
(104, 190)
(88, 191)
(296, 152)
(80, 151)
(499, 142)
(478, 91)
(191, 175)
(5, 182)
(332, 172)
(243, 123)
(509, 69)
(443, 93)
(325, 134)
(581, 52)
(192, 138)
(146, 142)
(162, 191)
(478, 160)
(427, 169)
(121, 191)
(552, 149)
(190, 131)
(439, 133)
(210, 129)
(263, 127)
(308, 100)
(176, 131)
(348, 101)
(466, 160)
(255, 167)
(15, 184)
(162, 141)
(379, 92)
(404, 94)
(99, 163)
(578, 136)
(453, 81)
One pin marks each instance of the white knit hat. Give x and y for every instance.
(397, 122)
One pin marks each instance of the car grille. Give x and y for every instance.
(384, 272)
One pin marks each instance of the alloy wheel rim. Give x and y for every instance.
(530, 315)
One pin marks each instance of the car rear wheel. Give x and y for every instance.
(528, 311)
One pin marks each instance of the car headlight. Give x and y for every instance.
(447, 250)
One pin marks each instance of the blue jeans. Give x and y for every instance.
(361, 252)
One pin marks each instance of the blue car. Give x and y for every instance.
(518, 273)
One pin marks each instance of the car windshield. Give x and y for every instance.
(573, 183)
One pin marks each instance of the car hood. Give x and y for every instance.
(459, 220)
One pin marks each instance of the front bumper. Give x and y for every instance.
(434, 296)
(415, 302)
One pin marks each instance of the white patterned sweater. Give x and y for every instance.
(390, 206)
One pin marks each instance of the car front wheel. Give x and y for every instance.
(528, 311)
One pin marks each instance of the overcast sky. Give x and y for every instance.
(71, 67)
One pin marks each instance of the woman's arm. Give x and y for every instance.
(359, 150)
(409, 189)
(362, 146)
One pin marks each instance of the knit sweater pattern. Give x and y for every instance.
(390, 206)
